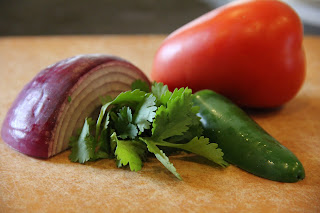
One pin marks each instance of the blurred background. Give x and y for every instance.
(70, 17)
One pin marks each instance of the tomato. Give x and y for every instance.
(249, 51)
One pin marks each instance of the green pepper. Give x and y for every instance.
(245, 144)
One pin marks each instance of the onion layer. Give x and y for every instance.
(54, 104)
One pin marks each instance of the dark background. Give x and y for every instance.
(70, 17)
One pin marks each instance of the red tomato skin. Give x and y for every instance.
(249, 51)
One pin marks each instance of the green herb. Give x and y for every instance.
(69, 99)
(141, 121)
(141, 85)
(83, 148)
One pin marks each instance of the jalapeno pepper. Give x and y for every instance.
(245, 144)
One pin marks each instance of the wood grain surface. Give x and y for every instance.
(56, 185)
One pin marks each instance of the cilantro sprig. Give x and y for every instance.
(143, 121)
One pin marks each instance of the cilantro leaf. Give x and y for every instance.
(103, 146)
(176, 118)
(201, 146)
(113, 141)
(145, 112)
(160, 118)
(140, 85)
(123, 124)
(124, 97)
(177, 93)
(161, 156)
(105, 99)
(195, 128)
(83, 149)
(129, 152)
(102, 150)
(107, 121)
(193, 131)
(161, 92)
(100, 155)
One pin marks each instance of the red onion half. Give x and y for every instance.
(53, 105)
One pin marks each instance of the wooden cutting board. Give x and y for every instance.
(57, 185)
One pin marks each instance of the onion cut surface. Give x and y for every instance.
(55, 103)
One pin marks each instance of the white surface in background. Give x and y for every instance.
(308, 10)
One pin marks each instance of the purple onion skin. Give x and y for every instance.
(29, 124)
